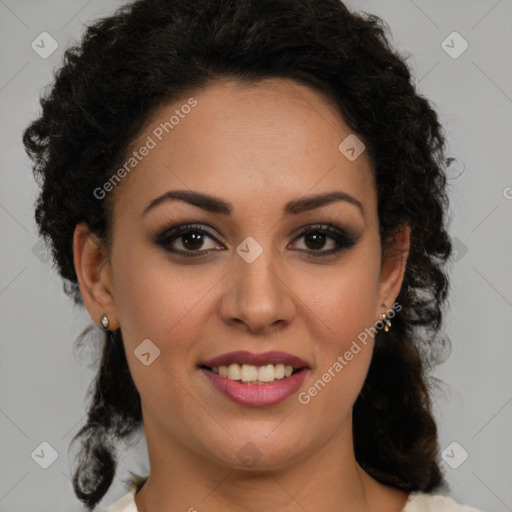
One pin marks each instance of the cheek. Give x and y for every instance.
(154, 298)
(344, 300)
(342, 315)
(345, 346)
(160, 303)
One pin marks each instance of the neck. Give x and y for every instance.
(327, 478)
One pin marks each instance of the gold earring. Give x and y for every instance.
(387, 321)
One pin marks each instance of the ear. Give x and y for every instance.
(393, 268)
(94, 275)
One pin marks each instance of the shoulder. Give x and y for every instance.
(127, 502)
(124, 504)
(417, 502)
(423, 502)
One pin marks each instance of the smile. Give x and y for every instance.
(256, 380)
(252, 374)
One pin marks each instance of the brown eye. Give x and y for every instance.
(316, 238)
(191, 237)
(192, 240)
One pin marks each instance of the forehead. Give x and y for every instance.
(263, 142)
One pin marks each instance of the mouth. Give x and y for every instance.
(256, 380)
(251, 374)
(257, 369)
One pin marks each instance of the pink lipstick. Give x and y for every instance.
(254, 394)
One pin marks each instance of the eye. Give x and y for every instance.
(315, 238)
(190, 237)
(189, 240)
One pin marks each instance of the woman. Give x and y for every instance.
(248, 196)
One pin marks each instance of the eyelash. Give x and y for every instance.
(170, 234)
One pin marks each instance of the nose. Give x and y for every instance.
(258, 295)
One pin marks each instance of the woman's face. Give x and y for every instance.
(263, 277)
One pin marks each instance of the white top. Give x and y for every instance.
(417, 502)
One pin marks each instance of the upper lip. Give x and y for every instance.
(262, 359)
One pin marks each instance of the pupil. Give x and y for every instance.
(195, 237)
(320, 240)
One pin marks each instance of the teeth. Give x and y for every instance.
(254, 374)
(234, 372)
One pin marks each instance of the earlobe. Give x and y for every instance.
(94, 275)
(393, 268)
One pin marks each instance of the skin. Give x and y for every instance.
(256, 146)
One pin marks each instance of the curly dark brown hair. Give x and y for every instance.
(151, 52)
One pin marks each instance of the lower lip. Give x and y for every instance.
(257, 395)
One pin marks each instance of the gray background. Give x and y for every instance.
(43, 381)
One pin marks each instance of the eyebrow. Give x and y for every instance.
(216, 205)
